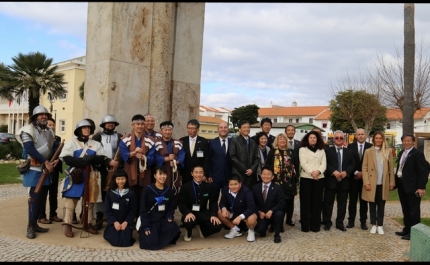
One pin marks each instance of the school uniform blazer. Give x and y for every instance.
(370, 175)
(348, 165)
(187, 197)
(190, 160)
(415, 171)
(219, 162)
(242, 204)
(275, 199)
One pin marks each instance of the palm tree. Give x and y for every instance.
(31, 74)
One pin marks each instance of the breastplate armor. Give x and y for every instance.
(110, 144)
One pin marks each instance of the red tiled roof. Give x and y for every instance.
(207, 119)
(396, 114)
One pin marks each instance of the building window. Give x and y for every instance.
(297, 120)
(210, 131)
(203, 131)
(62, 126)
(324, 125)
(301, 131)
(275, 120)
(290, 120)
(388, 125)
(311, 120)
(63, 98)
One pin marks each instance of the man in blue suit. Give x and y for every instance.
(219, 159)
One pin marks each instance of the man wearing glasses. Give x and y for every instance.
(340, 169)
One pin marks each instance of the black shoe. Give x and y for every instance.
(290, 223)
(350, 225)
(402, 233)
(341, 228)
(277, 239)
(407, 237)
(326, 227)
(39, 229)
(363, 226)
(30, 232)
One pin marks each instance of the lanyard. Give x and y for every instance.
(195, 193)
(232, 201)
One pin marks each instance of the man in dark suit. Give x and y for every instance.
(358, 149)
(270, 201)
(340, 169)
(196, 151)
(294, 144)
(244, 157)
(411, 179)
(266, 126)
(198, 206)
(219, 159)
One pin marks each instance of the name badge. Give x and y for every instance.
(196, 207)
(115, 206)
(231, 215)
(399, 173)
(161, 207)
(200, 154)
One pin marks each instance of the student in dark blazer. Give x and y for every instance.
(337, 181)
(198, 206)
(237, 210)
(219, 159)
(358, 147)
(244, 157)
(266, 126)
(200, 154)
(411, 179)
(270, 209)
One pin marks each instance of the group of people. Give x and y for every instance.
(242, 184)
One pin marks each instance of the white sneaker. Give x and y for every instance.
(380, 230)
(186, 238)
(232, 234)
(373, 230)
(251, 236)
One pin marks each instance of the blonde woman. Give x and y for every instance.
(378, 180)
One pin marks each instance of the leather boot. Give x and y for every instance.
(30, 231)
(39, 229)
(68, 231)
(91, 230)
(99, 221)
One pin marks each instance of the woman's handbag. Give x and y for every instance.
(24, 167)
(95, 186)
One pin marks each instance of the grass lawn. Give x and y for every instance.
(9, 174)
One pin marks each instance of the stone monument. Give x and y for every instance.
(144, 57)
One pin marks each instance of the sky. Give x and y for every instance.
(253, 53)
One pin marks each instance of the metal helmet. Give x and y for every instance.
(83, 123)
(39, 110)
(108, 118)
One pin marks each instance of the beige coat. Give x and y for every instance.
(370, 175)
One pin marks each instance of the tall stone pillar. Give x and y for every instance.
(144, 57)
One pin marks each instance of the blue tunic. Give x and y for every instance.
(126, 211)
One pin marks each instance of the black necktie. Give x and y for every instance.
(223, 146)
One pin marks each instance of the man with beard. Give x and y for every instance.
(109, 139)
(38, 141)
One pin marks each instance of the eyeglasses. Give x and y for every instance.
(338, 138)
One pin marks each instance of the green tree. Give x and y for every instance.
(353, 109)
(248, 112)
(81, 90)
(31, 74)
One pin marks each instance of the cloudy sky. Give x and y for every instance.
(262, 53)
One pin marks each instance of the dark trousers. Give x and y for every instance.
(341, 199)
(411, 207)
(52, 192)
(204, 222)
(377, 208)
(311, 194)
(354, 195)
(217, 187)
(277, 221)
(34, 202)
(138, 191)
(289, 208)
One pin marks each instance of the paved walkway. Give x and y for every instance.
(333, 245)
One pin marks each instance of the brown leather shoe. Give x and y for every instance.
(68, 231)
(44, 221)
(55, 219)
(92, 230)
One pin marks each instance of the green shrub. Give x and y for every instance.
(3, 128)
(13, 148)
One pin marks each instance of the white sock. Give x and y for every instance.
(250, 230)
(236, 228)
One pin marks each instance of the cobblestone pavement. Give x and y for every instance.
(333, 245)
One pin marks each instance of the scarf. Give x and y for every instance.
(133, 160)
(283, 167)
